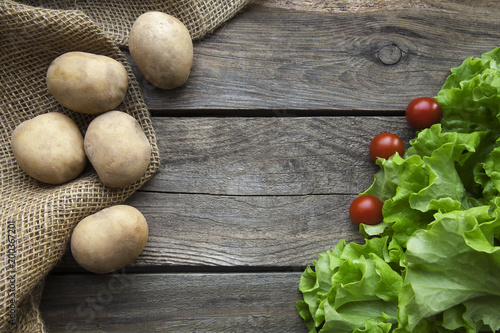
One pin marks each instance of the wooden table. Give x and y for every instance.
(262, 152)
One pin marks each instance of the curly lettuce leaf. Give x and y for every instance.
(354, 287)
(470, 97)
(427, 180)
(400, 218)
(433, 264)
(451, 263)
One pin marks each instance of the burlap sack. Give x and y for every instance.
(37, 219)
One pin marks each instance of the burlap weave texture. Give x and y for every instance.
(36, 220)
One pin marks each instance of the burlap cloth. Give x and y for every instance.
(37, 219)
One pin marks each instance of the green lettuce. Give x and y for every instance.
(450, 263)
(352, 287)
(433, 264)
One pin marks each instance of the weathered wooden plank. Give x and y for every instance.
(235, 231)
(275, 231)
(274, 58)
(192, 302)
(335, 6)
(269, 156)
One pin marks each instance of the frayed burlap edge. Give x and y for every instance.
(37, 219)
(115, 18)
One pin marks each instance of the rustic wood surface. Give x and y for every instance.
(273, 58)
(174, 302)
(262, 152)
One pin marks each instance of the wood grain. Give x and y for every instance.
(271, 59)
(340, 6)
(189, 302)
(258, 231)
(269, 156)
(187, 230)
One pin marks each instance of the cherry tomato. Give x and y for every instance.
(366, 209)
(385, 145)
(423, 112)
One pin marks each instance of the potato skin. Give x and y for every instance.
(87, 83)
(49, 148)
(162, 48)
(109, 239)
(118, 149)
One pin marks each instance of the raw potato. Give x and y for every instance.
(87, 83)
(109, 239)
(162, 48)
(49, 147)
(117, 148)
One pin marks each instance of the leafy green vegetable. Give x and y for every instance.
(351, 285)
(433, 264)
(448, 264)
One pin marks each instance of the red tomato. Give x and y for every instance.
(423, 112)
(366, 209)
(385, 145)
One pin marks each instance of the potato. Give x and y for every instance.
(87, 83)
(117, 148)
(109, 239)
(49, 147)
(162, 48)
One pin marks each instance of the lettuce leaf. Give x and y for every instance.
(451, 262)
(433, 264)
(352, 288)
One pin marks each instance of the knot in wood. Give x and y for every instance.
(389, 54)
